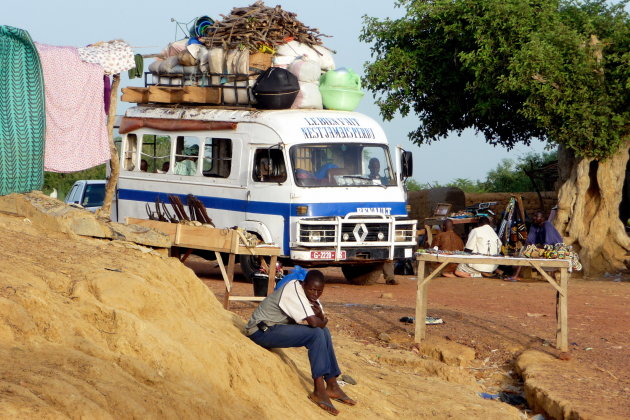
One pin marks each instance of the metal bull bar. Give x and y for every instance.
(356, 230)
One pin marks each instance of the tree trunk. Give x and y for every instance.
(114, 163)
(588, 209)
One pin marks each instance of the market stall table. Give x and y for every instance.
(228, 241)
(562, 340)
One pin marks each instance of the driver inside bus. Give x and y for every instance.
(374, 166)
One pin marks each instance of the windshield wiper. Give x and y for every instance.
(356, 177)
(363, 178)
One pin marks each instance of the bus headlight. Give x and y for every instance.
(380, 236)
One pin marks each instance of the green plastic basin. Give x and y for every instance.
(341, 99)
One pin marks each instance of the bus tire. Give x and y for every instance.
(249, 266)
(364, 274)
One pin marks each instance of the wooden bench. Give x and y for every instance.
(228, 241)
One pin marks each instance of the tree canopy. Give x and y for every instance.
(514, 70)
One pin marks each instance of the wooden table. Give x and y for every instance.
(562, 329)
(227, 241)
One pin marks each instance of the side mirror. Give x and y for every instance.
(406, 165)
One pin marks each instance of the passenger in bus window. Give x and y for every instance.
(270, 167)
(144, 165)
(165, 167)
(263, 169)
(187, 165)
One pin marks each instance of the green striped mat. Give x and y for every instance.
(22, 113)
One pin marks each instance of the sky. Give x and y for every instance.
(147, 26)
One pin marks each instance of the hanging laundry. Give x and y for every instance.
(76, 125)
(107, 92)
(22, 114)
(114, 56)
(138, 69)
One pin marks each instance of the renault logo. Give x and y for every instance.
(360, 232)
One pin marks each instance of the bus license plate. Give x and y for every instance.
(327, 255)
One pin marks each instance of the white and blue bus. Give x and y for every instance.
(321, 184)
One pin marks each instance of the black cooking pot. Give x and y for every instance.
(276, 88)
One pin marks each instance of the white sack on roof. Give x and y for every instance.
(294, 48)
(216, 63)
(326, 60)
(306, 70)
(309, 96)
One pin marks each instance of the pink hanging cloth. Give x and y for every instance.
(76, 124)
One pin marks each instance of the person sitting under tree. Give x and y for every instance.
(292, 316)
(448, 240)
(542, 232)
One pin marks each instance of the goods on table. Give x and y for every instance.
(441, 252)
(462, 214)
(442, 212)
(557, 251)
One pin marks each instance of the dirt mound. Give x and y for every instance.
(545, 388)
(99, 328)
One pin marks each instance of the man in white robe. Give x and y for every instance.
(481, 240)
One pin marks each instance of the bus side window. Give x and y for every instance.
(156, 151)
(217, 157)
(186, 155)
(131, 152)
(269, 166)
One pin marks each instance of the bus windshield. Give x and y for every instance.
(342, 165)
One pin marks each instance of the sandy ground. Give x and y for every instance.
(499, 320)
(106, 329)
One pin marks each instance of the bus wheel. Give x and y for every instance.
(250, 264)
(363, 274)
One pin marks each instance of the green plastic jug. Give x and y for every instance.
(341, 78)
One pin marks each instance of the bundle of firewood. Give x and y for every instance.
(258, 26)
